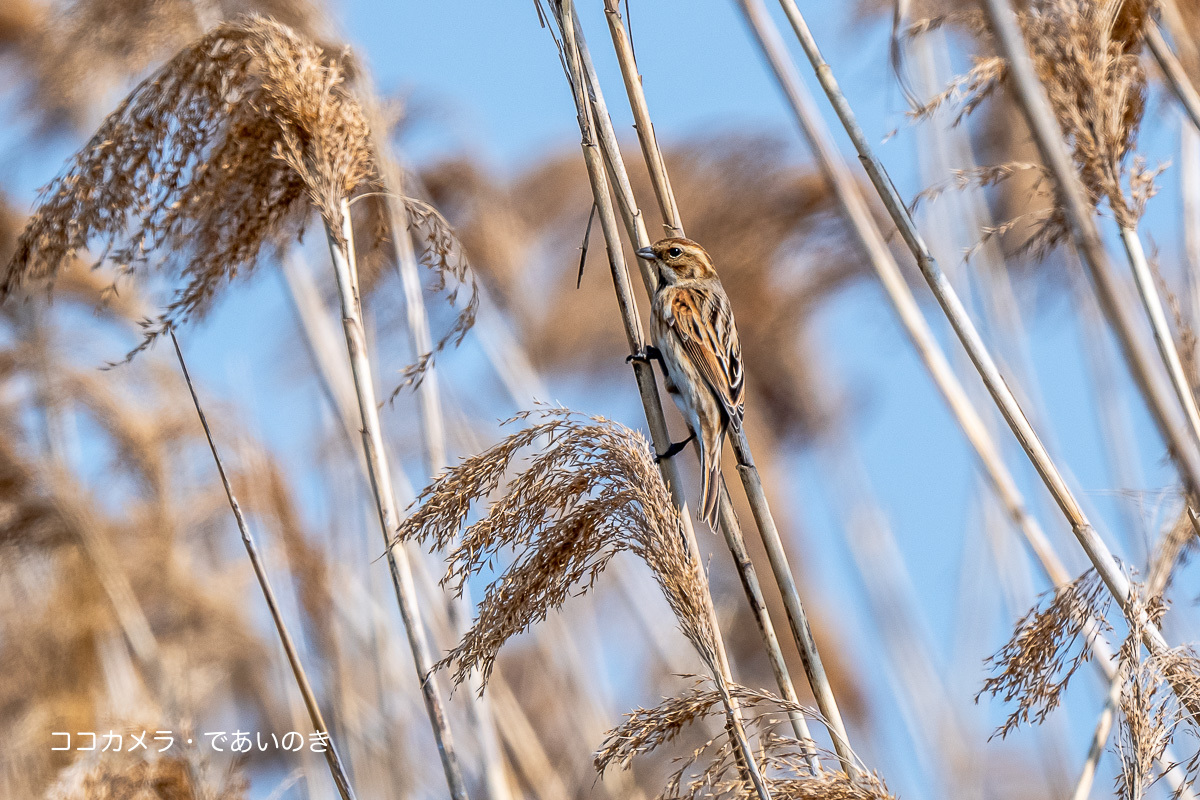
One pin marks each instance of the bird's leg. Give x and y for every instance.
(674, 449)
(648, 353)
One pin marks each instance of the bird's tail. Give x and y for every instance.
(710, 485)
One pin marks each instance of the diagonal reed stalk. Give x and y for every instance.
(1173, 71)
(903, 301)
(563, 13)
(1181, 447)
(341, 251)
(636, 231)
(336, 769)
(1143, 279)
(1087, 775)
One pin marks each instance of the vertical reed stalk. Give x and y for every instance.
(1097, 551)
(336, 769)
(511, 723)
(1087, 775)
(648, 389)
(636, 231)
(341, 251)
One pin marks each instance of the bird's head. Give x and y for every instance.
(679, 260)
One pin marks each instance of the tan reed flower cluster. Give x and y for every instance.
(1047, 646)
(1156, 690)
(74, 53)
(591, 490)
(206, 164)
(711, 770)
(1086, 53)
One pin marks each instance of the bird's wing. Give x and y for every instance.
(703, 321)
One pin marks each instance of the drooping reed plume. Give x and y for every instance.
(711, 769)
(590, 491)
(208, 165)
(1048, 645)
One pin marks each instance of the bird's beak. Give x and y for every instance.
(646, 253)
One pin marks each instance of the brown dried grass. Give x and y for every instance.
(1155, 694)
(590, 491)
(206, 164)
(711, 770)
(74, 53)
(125, 776)
(1086, 53)
(1048, 645)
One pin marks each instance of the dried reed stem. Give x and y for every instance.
(564, 17)
(336, 769)
(1148, 292)
(337, 383)
(1104, 724)
(636, 231)
(641, 115)
(1095, 548)
(1173, 71)
(341, 251)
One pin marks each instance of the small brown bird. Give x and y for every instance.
(691, 325)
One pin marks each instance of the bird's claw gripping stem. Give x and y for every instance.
(673, 450)
(646, 355)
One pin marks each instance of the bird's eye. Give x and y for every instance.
(675, 252)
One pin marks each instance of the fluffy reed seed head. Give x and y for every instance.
(205, 164)
(73, 53)
(1086, 56)
(1155, 694)
(712, 769)
(1047, 646)
(588, 492)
